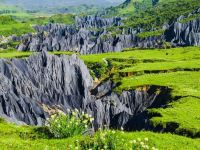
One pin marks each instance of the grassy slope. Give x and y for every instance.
(164, 11)
(182, 82)
(24, 137)
(185, 112)
(193, 64)
(128, 8)
(143, 14)
(10, 25)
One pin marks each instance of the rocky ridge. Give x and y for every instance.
(92, 35)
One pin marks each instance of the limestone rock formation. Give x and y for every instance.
(91, 35)
(184, 33)
(33, 88)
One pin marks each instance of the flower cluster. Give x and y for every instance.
(103, 140)
(66, 125)
(112, 140)
(141, 144)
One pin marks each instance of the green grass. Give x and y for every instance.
(127, 8)
(159, 66)
(20, 24)
(25, 137)
(185, 112)
(183, 83)
(13, 54)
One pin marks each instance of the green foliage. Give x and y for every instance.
(150, 33)
(5, 20)
(62, 18)
(164, 11)
(163, 66)
(190, 18)
(181, 82)
(9, 25)
(13, 54)
(128, 8)
(67, 125)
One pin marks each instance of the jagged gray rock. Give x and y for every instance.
(56, 37)
(91, 35)
(184, 34)
(30, 87)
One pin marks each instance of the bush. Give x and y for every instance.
(67, 125)
(111, 140)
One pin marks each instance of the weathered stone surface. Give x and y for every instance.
(25, 85)
(184, 34)
(32, 87)
(90, 35)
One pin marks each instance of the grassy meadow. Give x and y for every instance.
(32, 138)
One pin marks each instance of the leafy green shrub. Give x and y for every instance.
(62, 18)
(150, 33)
(67, 125)
(2, 120)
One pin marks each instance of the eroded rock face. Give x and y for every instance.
(88, 35)
(30, 89)
(91, 35)
(26, 85)
(184, 34)
(56, 37)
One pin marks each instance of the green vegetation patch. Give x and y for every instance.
(183, 83)
(10, 25)
(168, 65)
(150, 33)
(184, 113)
(25, 137)
(13, 54)
(163, 11)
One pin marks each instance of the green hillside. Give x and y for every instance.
(13, 25)
(145, 14)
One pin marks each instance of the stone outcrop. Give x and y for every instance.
(184, 33)
(92, 34)
(56, 37)
(97, 22)
(31, 89)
